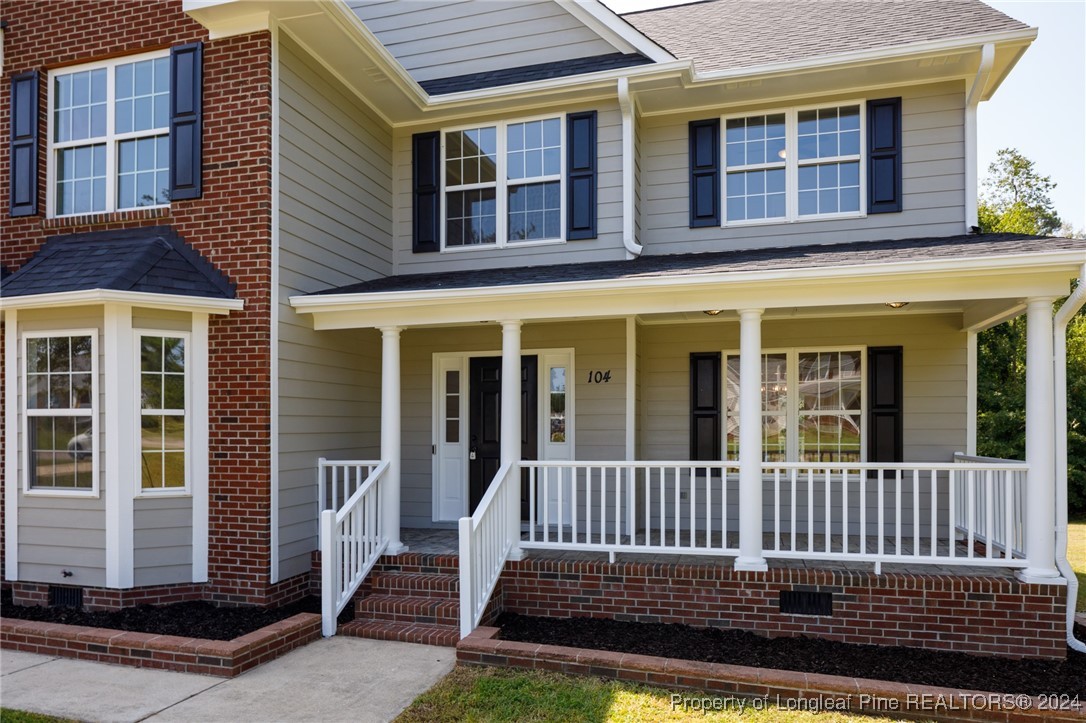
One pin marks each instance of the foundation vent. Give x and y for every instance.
(806, 602)
(65, 597)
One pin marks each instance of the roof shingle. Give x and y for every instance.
(528, 73)
(152, 259)
(726, 34)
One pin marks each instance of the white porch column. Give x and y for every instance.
(1040, 443)
(510, 424)
(750, 441)
(390, 437)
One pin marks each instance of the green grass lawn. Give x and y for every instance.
(1076, 553)
(497, 694)
(8, 715)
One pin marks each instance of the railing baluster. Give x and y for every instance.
(810, 509)
(708, 507)
(678, 507)
(829, 523)
(989, 525)
(588, 505)
(531, 504)
(1008, 504)
(793, 475)
(724, 507)
(603, 505)
(693, 506)
(897, 512)
(546, 504)
(844, 510)
(335, 488)
(882, 505)
(573, 504)
(560, 514)
(972, 515)
(777, 509)
(934, 514)
(648, 505)
(916, 512)
(863, 512)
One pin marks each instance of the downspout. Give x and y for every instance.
(1074, 302)
(629, 229)
(972, 100)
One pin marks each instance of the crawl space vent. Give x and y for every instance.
(65, 597)
(806, 602)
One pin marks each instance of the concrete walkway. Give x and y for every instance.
(336, 679)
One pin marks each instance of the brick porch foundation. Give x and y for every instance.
(988, 614)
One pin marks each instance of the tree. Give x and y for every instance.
(1015, 197)
(1016, 201)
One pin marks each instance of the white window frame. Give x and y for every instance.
(187, 412)
(28, 414)
(110, 139)
(792, 165)
(502, 185)
(792, 382)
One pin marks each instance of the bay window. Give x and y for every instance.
(813, 405)
(163, 413)
(60, 376)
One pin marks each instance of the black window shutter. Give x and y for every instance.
(705, 173)
(425, 182)
(186, 121)
(705, 406)
(884, 155)
(24, 144)
(581, 176)
(884, 377)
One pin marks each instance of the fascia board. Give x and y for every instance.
(175, 302)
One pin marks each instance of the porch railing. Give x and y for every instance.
(337, 480)
(931, 513)
(928, 513)
(485, 541)
(667, 507)
(1002, 510)
(351, 541)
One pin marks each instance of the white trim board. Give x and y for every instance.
(11, 444)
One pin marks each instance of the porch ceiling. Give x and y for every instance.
(985, 277)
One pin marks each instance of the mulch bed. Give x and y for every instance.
(809, 655)
(186, 619)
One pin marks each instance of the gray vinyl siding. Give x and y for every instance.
(448, 39)
(599, 408)
(62, 533)
(606, 247)
(933, 182)
(162, 536)
(335, 228)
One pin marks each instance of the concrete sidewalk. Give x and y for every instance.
(335, 679)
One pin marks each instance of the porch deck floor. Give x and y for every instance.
(446, 542)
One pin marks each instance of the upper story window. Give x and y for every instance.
(109, 126)
(503, 184)
(794, 165)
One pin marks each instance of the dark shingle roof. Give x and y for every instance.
(795, 257)
(725, 34)
(152, 259)
(528, 73)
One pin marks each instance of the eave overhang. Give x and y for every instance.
(955, 279)
(89, 297)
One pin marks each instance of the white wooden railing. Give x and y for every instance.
(351, 540)
(337, 480)
(1001, 511)
(485, 541)
(669, 507)
(903, 513)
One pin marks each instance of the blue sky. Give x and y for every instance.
(1041, 107)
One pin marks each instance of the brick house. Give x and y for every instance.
(286, 277)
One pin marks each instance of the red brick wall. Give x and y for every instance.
(990, 615)
(230, 225)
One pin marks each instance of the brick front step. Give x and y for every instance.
(418, 562)
(406, 609)
(417, 584)
(443, 635)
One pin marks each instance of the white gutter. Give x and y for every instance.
(1074, 302)
(135, 298)
(975, 93)
(629, 229)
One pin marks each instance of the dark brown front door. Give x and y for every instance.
(484, 422)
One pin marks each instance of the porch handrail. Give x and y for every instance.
(352, 539)
(912, 512)
(338, 479)
(485, 541)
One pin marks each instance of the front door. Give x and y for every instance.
(484, 422)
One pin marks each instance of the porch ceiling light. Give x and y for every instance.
(897, 304)
(711, 312)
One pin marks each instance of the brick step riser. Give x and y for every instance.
(443, 586)
(443, 635)
(422, 616)
(419, 563)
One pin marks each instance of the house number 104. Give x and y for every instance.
(599, 377)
